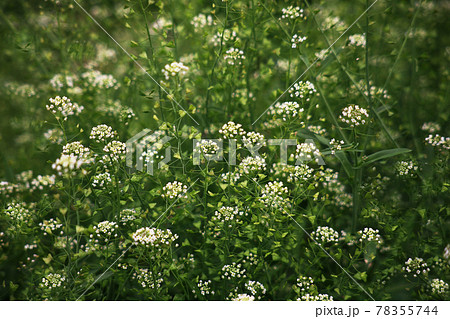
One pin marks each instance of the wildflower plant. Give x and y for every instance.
(286, 148)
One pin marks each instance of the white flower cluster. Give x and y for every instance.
(374, 91)
(431, 127)
(286, 110)
(115, 149)
(273, 195)
(305, 152)
(305, 284)
(254, 138)
(446, 253)
(325, 234)
(335, 145)
(49, 225)
(8, 188)
(300, 173)
(64, 106)
(52, 281)
(117, 110)
(154, 237)
(105, 230)
(18, 211)
(98, 80)
(54, 135)
(357, 40)
(251, 259)
(370, 234)
(173, 69)
(322, 54)
(291, 12)
(208, 147)
(200, 21)
(319, 297)
(59, 81)
(406, 168)
(77, 149)
(230, 177)
(22, 90)
(303, 90)
(331, 22)
(256, 288)
(42, 181)
(228, 36)
(101, 133)
(204, 287)
(227, 214)
(175, 190)
(243, 297)
(233, 271)
(252, 164)
(102, 179)
(128, 215)
(416, 266)
(354, 115)
(296, 40)
(231, 130)
(438, 141)
(438, 286)
(145, 278)
(234, 56)
(69, 164)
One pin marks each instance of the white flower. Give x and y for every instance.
(153, 237)
(175, 190)
(438, 141)
(296, 40)
(358, 40)
(204, 287)
(102, 133)
(102, 179)
(252, 164)
(98, 80)
(406, 168)
(335, 145)
(228, 36)
(303, 90)
(292, 12)
(231, 130)
(69, 164)
(416, 266)
(146, 279)
(286, 110)
(52, 281)
(234, 56)
(173, 69)
(49, 225)
(439, 286)
(319, 297)
(274, 195)
(354, 115)
(63, 107)
(325, 234)
(233, 271)
(200, 21)
(227, 214)
(243, 297)
(370, 234)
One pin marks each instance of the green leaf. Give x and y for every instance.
(384, 154)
